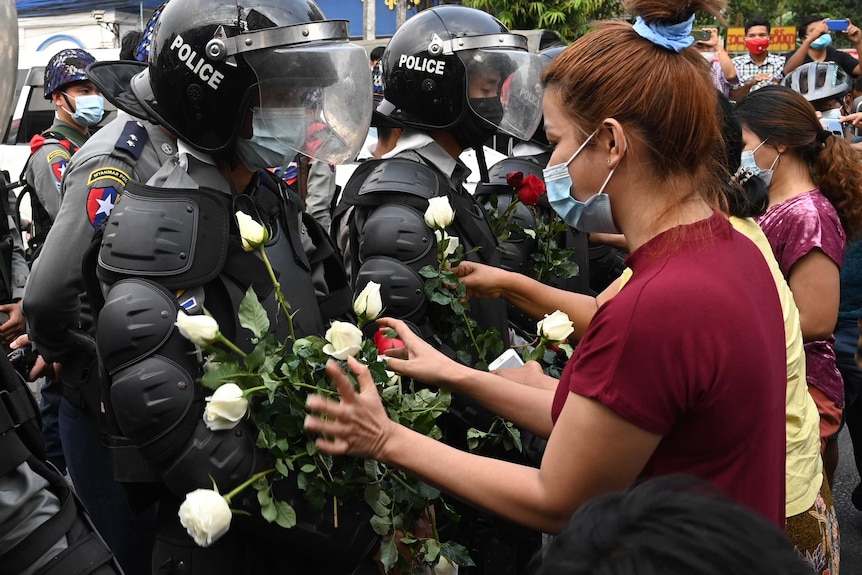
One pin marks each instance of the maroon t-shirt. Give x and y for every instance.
(692, 349)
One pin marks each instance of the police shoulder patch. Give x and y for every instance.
(59, 153)
(100, 202)
(58, 169)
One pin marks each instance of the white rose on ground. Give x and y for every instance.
(344, 340)
(368, 304)
(253, 234)
(439, 213)
(451, 246)
(225, 407)
(201, 330)
(555, 327)
(206, 516)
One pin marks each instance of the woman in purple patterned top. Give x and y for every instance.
(815, 204)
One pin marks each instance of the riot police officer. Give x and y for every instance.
(443, 74)
(244, 86)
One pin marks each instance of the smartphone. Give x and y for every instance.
(508, 358)
(838, 25)
(832, 125)
(701, 35)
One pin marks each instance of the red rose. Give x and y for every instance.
(515, 179)
(382, 343)
(530, 190)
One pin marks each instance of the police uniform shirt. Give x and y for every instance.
(125, 149)
(47, 165)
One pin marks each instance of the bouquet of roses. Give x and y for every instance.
(269, 385)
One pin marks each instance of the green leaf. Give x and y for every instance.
(308, 468)
(269, 511)
(388, 553)
(440, 298)
(251, 314)
(382, 525)
(286, 514)
(430, 550)
(457, 554)
(222, 373)
(281, 467)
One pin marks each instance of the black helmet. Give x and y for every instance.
(434, 59)
(210, 62)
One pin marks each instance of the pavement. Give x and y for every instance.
(849, 518)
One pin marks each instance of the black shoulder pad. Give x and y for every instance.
(133, 139)
(393, 176)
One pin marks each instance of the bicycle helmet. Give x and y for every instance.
(819, 81)
(65, 67)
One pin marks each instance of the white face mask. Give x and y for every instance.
(832, 114)
(708, 56)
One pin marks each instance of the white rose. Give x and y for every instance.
(444, 567)
(225, 407)
(555, 327)
(206, 516)
(439, 213)
(344, 340)
(253, 234)
(451, 246)
(368, 304)
(199, 329)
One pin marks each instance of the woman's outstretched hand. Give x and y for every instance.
(357, 425)
(418, 359)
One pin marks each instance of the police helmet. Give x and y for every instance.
(458, 68)
(65, 67)
(819, 81)
(213, 65)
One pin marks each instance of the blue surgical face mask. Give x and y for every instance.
(593, 216)
(278, 134)
(89, 110)
(747, 161)
(822, 42)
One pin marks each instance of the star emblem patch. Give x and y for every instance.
(59, 168)
(100, 202)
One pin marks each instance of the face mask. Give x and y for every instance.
(594, 215)
(489, 108)
(747, 161)
(89, 110)
(757, 46)
(832, 114)
(822, 42)
(708, 56)
(264, 149)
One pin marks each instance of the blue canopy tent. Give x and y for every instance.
(33, 8)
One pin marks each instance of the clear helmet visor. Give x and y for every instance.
(504, 87)
(315, 99)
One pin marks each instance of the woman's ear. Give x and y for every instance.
(616, 142)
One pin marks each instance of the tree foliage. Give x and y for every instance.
(570, 18)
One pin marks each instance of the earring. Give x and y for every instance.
(609, 162)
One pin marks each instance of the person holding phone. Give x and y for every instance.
(816, 38)
(758, 68)
(724, 74)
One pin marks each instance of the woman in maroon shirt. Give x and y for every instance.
(676, 374)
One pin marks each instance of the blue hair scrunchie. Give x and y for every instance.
(674, 37)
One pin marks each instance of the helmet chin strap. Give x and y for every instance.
(68, 103)
(483, 164)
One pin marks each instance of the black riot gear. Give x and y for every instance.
(210, 62)
(460, 69)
